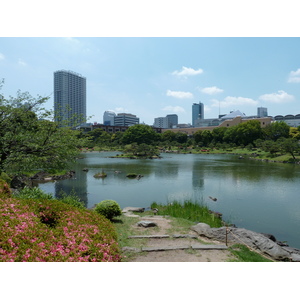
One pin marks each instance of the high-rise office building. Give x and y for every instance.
(161, 122)
(197, 112)
(69, 98)
(123, 119)
(172, 120)
(262, 112)
(109, 118)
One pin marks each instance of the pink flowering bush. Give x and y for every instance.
(52, 231)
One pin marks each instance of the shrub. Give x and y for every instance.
(109, 209)
(32, 193)
(5, 177)
(4, 188)
(71, 199)
(52, 231)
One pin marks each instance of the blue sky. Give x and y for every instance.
(155, 76)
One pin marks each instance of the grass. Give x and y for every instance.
(192, 211)
(244, 254)
(124, 227)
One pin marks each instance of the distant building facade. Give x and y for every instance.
(109, 118)
(172, 120)
(262, 112)
(161, 122)
(291, 120)
(225, 123)
(69, 98)
(124, 119)
(197, 112)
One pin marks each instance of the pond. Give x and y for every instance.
(255, 195)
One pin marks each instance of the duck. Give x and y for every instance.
(213, 198)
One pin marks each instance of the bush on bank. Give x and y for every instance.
(109, 209)
(52, 231)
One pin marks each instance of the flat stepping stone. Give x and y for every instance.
(128, 214)
(165, 248)
(146, 224)
(209, 247)
(184, 236)
(133, 209)
(148, 236)
(169, 248)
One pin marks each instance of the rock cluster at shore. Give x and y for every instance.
(20, 181)
(259, 242)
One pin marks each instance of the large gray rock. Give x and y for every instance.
(146, 224)
(133, 209)
(254, 240)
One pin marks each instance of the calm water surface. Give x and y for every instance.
(262, 197)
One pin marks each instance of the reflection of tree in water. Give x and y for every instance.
(77, 186)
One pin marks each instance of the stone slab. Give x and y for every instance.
(148, 236)
(184, 236)
(209, 247)
(166, 248)
(133, 209)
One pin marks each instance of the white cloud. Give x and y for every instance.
(187, 72)
(174, 109)
(234, 101)
(2, 57)
(294, 76)
(22, 63)
(211, 90)
(120, 110)
(178, 94)
(279, 97)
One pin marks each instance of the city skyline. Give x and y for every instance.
(153, 77)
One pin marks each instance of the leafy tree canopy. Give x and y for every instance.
(140, 134)
(28, 141)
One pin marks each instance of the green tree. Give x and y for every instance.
(218, 134)
(168, 136)
(276, 130)
(140, 134)
(181, 137)
(244, 133)
(289, 146)
(28, 141)
(248, 132)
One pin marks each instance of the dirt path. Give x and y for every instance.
(153, 248)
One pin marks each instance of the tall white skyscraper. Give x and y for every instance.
(69, 98)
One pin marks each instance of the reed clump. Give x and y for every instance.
(189, 210)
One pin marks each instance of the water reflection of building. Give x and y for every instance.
(197, 176)
(77, 185)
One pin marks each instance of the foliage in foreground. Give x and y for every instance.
(29, 140)
(189, 210)
(36, 193)
(52, 231)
